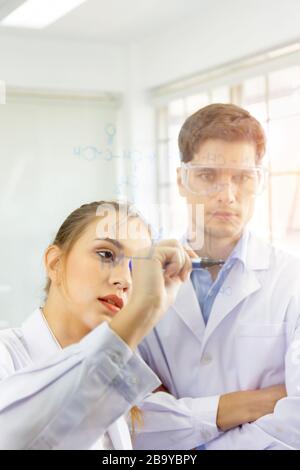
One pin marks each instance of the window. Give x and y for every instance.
(274, 99)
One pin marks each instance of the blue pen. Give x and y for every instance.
(199, 263)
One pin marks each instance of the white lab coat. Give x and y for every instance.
(252, 340)
(67, 399)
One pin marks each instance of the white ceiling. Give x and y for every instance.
(121, 21)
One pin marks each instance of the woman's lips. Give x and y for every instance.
(112, 308)
(112, 302)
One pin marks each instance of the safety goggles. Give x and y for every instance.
(208, 180)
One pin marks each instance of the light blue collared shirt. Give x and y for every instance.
(205, 288)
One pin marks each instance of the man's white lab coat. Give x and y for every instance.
(252, 340)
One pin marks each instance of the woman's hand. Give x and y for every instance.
(156, 278)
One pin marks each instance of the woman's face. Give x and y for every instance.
(96, 273)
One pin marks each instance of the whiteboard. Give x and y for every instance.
(52, 160)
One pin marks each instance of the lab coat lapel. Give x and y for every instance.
(241, 282)
(237, 286)
(187, 307)
(39, 341)
(120, 435)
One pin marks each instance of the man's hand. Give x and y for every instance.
(238, 408)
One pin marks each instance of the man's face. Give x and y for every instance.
(227, 205)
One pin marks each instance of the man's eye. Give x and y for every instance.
(243, 178)
(106, 255)
(206, 176)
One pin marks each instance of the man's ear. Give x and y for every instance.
(181, 188)
(53, 262)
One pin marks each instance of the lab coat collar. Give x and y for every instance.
(238, 285)
(258, 253)
(37, 336)
(242, 277)
(187, 307)
(239, 252)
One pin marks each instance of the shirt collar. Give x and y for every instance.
(37, 336)
(239, 252)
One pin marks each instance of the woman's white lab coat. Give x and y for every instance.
(67, 399)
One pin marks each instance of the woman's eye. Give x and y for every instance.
(106, 255)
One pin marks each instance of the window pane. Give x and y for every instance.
(174, 129)
(294, 222)
(254, 97)
(285, 211)
(283, 80)
(195, 102)
(165, 218)
(178, 212)
(284, 144)
(221, 95)
(173, 212)
(173, 150)
(283, 106)
(176, 111)
(258, 110)
(284, 89)
(260, 223)
(174, 159)
(163, 163)
(162, 123)
(254, 90)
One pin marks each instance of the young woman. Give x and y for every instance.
(69, 374)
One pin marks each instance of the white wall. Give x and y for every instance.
(227, 30)
(139, 136)
(61, 64)
(42, 178)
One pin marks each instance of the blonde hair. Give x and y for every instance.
(70, 231)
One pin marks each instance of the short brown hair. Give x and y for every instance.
(220, 121)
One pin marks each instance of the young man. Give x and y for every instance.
(231, 342)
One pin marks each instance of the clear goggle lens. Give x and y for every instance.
(206, 180)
